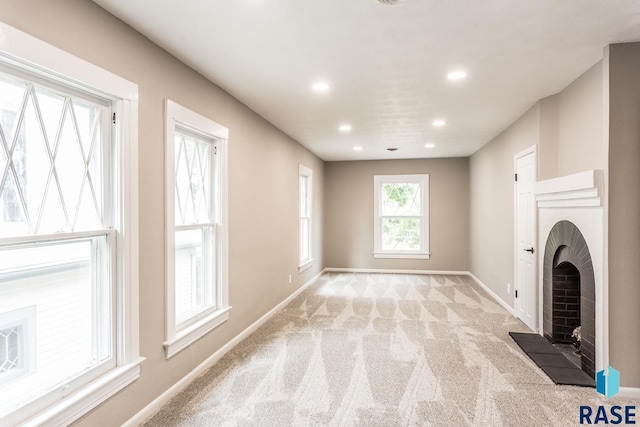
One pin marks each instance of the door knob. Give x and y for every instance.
(529, 250)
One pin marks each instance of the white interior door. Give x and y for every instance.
(526, 251)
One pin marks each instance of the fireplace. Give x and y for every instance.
(572, 284)
(568, 290)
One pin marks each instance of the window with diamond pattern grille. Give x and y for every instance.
(194, 220)
(10, 349)
(197, 290)
(401, 216)
(55, 234)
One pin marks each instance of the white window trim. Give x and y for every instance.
(308, 172)
(423, 252)
(179, 340)
(24, 51)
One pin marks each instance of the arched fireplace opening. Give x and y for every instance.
(566, 303)
(569, 292)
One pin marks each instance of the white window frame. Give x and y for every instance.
(22, 51)
(179, 339)
(423, 252)
(304, 171)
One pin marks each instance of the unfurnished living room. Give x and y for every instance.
(327, 213)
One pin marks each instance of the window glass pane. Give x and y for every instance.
(193, 179)
(400, 199)
(304, 198)
(11, 352)
(51, 155)
(193, 273)
(304, 239)
(67, 288)
(401, 234)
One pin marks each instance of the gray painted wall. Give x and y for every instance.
(491, 172)
(263, 188)
(572, 127)
(624, 211)
(349, 213)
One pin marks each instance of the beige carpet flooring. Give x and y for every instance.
(381, 350)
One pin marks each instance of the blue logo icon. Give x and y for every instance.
(609, 384)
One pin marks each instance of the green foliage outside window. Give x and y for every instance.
(402, 201)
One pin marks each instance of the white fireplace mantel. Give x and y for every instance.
(582, 189)
(578, 198)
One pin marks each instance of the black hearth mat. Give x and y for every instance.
(551, 361)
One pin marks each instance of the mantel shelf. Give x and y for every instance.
(583, 189)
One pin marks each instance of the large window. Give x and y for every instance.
(66, 255)
(305, 210)
(401, 222)
(196, 226)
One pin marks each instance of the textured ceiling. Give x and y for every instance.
(386, 65)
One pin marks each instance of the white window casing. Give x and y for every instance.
(112, 251)
(195, 210)
(305, 214)
(405, 215)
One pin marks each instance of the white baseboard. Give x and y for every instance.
(393, 271)
(492, 294)
(629, 392)
(153, 407)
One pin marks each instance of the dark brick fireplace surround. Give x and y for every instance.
(569, 290)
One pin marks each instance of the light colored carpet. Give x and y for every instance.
(381, 350)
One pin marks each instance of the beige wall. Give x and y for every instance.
(349, 213)
(624, 211)
(572, 127)
(491, 172)
(568, 131)
(263, 188)
(593, 124)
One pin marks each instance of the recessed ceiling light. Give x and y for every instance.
(457, 75)
(345, 128)
(320, 86)
(357, 148)
(429, 145)
(439, 123)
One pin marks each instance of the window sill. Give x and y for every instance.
(196, 331)
(76, 405)
(399, 255)
(305, 266)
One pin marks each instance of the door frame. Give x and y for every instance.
(529, 150)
